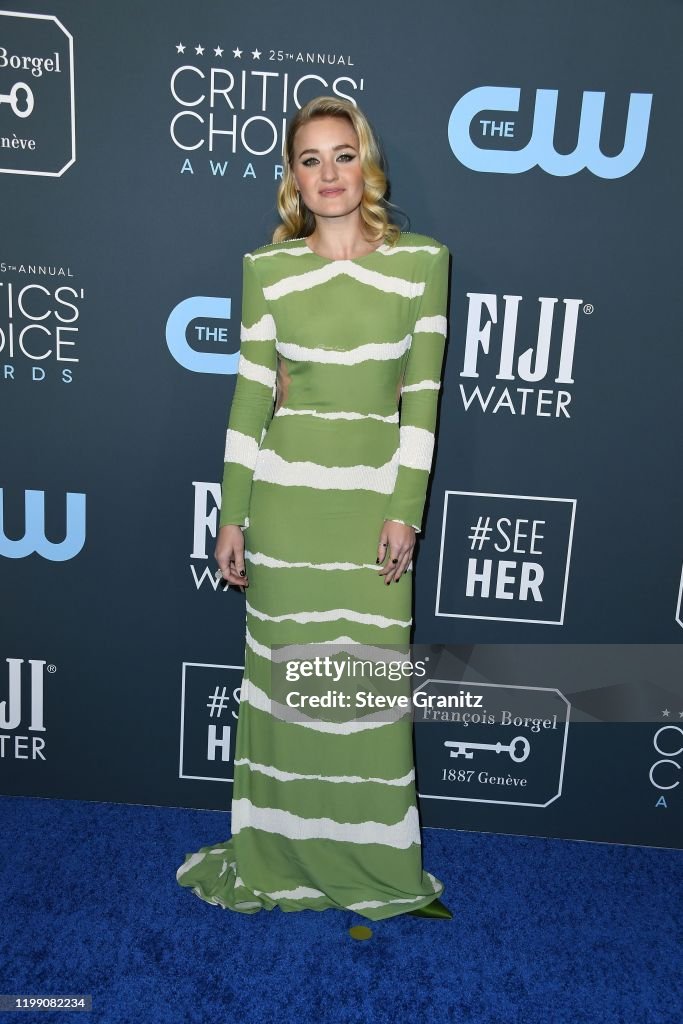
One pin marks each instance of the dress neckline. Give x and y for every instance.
(354, 259)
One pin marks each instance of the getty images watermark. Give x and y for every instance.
(497, 697)
(346, 682)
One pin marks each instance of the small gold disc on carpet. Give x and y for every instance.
(360, 931)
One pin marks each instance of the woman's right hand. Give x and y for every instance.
(229, 554)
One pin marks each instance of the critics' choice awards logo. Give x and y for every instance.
(37, 119)
(510, 750)
(478, 135)
(504, 557)
(34, 540)
(667, 761)
(22, 719)
(236, 102)
(209, 706)
(39, 322)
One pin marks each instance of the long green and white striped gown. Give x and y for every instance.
(317, 456)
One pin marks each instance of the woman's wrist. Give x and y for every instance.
(402, 522)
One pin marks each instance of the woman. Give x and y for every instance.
(342, 315)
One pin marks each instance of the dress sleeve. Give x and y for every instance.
(419, 397)
(253, 399)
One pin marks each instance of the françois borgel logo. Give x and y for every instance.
(37, 116)
(509, 750)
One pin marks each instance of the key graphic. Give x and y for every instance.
(467, 749)
(11, 98)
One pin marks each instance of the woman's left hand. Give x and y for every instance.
(397, 541)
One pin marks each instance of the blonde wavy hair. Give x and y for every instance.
(296, 219)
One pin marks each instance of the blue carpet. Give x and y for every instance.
(545, 930)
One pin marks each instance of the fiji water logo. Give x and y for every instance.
(34, 539)
(207, 508)
(13, 709)
(540, 150)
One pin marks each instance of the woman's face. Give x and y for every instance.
(327, 166)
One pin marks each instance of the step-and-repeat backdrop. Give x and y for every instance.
(140, 151)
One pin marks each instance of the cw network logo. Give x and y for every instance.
(34, 539)
(540, 150)
(192, 313)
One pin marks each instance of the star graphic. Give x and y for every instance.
(237, 52)
(218, 51)
(666, 713)
(180, 48)
(199, 49)
(256, 54)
